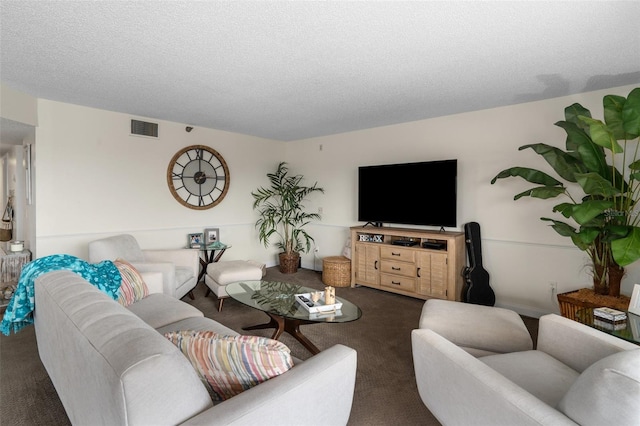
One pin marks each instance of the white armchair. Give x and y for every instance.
(179, 267)
(576, 375)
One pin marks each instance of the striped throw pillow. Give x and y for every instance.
(133, 287)
(229, 365)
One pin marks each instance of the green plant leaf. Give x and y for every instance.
(589, 210)
(561, 228)
(614, 232)
(530, 175)
(581, 239)
(543, 192)
(572, 112)
(578, 140)
(566, 209)
(586, 237)
(601, 135)
(613, 115)
(594, 184)
(631, 114)
(627, 250)
(565, 165)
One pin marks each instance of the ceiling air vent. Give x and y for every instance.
(144, 128)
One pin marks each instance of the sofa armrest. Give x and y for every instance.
(153, 280)
(168, 271)
(576, 344)
(325, 381)
(460, 389)
(180, 257)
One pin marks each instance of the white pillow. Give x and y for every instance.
(607, 392)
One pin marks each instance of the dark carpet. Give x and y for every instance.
(385, 394)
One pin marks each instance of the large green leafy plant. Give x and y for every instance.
(281, 210)
(600, 167)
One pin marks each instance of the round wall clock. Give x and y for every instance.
(198, 177)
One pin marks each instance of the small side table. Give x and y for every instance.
(11, 264)
(629, 330)
(208, 255)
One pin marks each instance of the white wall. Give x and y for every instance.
(18, 106)
(522, 254)
(95, 180)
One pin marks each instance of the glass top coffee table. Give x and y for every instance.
(277, 300)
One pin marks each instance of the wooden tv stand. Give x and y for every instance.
(410, 269)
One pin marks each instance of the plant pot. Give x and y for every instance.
(289, 262)
(586, 298)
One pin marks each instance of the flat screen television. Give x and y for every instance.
(422, 193)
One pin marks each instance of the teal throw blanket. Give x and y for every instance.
(104, 275)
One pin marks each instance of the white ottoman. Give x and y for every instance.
(478, 329)
(219, 274)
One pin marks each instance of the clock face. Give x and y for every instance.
(198, 177)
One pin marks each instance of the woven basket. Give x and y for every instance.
(336, 271)
(6, 230)
(570, 303)
(289, 262)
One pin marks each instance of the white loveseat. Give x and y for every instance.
(112, 365)
(576, 375)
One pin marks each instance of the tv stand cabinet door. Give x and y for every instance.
(432, 274)
(367, 263)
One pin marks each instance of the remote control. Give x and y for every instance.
(306, 301)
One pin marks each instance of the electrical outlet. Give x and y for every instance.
(553, 287)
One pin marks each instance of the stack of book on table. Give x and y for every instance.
(609, 318)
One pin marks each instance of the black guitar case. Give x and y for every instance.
(477, 289)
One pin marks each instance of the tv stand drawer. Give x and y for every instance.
(398, 268)
(398, 282)
(397, 253)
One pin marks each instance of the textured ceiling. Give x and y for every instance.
(294, 70)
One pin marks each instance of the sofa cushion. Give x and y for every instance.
(229, 365)
(132, 287)
(536, 372)
(607, 392)
(478, 329)
(159, 309)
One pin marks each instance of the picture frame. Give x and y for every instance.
(211, 235)
(634, 305)
(195, 240)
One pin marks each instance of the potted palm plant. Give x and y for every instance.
(281, 210)
(599, 175)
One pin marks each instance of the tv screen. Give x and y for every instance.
(421, 193)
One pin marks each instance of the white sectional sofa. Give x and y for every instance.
(112, 365)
